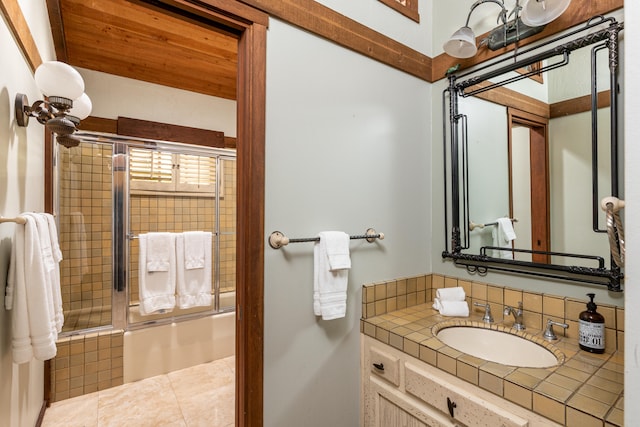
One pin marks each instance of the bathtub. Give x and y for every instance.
(162, 349)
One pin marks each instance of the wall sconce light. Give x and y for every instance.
(528, 20)
(65, 103)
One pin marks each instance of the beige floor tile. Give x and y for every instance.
(149, 402)
(200, 396)
(81, 411)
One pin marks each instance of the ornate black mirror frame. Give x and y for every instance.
(469, 83)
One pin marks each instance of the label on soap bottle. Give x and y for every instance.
(591, 335)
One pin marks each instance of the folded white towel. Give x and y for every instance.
(330, 285)
(503, 236)
(195, 245)
(157, 288)
(451, 294)
(451, 308)
(337, 248)
(160, 250)
(193, 288)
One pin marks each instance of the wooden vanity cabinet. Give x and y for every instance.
(399, 390)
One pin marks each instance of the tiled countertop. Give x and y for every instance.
(584, 389)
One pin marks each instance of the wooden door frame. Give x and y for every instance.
(251, 24)
(251, 107)
(538, 127)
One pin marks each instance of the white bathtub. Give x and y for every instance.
(162, 349)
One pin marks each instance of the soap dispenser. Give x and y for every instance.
(591, 328)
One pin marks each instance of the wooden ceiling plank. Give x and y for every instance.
(125, 45)
(203, 83)
(146, 21)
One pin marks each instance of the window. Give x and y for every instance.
(158, 171)
(408, 8)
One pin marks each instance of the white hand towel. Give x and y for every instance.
(337, 248)
(55, 276)
(193, 287)
(451, 294)
(451, 308)
(195, 245)
(31, 329)
(157, 288)
(161, 250)
(329, 286)
(503, 236)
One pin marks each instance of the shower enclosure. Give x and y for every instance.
(110, 189)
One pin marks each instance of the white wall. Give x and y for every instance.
(21, 189)
(383, 19)
(347, 148)
(114, 96)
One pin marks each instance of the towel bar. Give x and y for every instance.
(277, 239)
(473, 225)
(17, 220)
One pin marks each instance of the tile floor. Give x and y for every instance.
(200, 396)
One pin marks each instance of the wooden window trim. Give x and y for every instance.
(408, 9)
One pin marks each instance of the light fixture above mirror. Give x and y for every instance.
(527, 20)
(65, 104)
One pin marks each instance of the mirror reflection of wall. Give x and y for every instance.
(521, 188)
(488, 167)
(500, 174)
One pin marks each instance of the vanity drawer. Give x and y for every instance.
(385, 365)
(467, 408)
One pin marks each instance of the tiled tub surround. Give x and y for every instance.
(585, 390)
(98, 361)
(87, 363)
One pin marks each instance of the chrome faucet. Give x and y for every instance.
(517, 314)
(488, 318)
(548, 333)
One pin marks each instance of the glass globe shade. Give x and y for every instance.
(540, 12)
(462, 44)
(81, 107)
(55, 78)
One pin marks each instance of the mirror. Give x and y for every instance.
(533, 138)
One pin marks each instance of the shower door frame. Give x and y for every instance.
(250, 240)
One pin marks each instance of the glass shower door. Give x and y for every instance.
(84, 208)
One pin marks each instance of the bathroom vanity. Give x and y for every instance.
(410, 392)
(409, 377)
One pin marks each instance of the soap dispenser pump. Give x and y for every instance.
(591, 328)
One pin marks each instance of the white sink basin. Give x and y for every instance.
(497, 346)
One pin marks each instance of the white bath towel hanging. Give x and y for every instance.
(193, 288)
(195, 248)
(50, 269)
(330, 284)
(160, 251)
(57, 257)
(157, 288)
(503, 235)
(31, 329)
